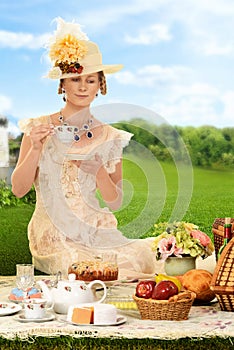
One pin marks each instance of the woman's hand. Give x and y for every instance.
(110, 185)
(91, 166)
(39, 134)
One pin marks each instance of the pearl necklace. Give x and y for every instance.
(76, 130)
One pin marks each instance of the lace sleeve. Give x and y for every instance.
(26, 125)
(114, 153)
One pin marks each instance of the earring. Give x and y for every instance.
(96, 94)
(64, 95)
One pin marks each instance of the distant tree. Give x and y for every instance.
(3, 121)
(206, 144)
(14, 145)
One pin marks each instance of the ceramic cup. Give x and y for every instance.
(65, 133)
(36, 308)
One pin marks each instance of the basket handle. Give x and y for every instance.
(182, 296)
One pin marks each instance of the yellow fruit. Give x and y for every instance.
(161, 277)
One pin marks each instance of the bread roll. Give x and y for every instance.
(198, 281)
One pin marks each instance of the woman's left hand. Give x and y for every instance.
(91, 166)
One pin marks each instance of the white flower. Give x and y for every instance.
(55, 73)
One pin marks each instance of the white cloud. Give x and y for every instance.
(189, 106)
(154, 75)
(228, 101)
(195, 104)
(13, 129)
(150, 35)
(207, 26)
(215, 48)
(5, 104)
(116, 13)
(177, 96)
(22, 40)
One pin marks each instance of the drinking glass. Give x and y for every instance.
(111, 259)
(24, 277)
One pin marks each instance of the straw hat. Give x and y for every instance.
(72, 53)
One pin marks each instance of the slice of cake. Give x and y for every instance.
(97, 314)
(82, 315)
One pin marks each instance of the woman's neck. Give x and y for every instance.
(80, 114)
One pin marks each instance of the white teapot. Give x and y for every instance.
(70, 292)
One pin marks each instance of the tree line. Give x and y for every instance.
(207, 146)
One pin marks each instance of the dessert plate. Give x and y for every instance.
(48, 317)
(78, 156)
(120, 320)
(9, 308)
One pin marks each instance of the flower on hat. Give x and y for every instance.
(67, 49)
(55, 73)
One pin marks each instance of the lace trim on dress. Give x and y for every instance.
(27, 124)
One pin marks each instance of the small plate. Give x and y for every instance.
(48, 317)
(78, 156)
(9, 308)
(120, 320)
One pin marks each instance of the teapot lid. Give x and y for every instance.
(71, 277)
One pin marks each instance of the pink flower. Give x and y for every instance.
(201, 236)
(167, 247)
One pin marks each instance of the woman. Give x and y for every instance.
(68, 156)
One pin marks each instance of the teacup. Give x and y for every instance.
(66, 133)
(36, 308)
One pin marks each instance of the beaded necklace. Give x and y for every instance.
(75, 129)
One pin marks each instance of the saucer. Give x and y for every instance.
(48, 317)
(9, 308)
(78, 156)
(120, 320)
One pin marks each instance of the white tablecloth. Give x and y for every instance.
(203, 321)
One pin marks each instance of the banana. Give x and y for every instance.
(161, 277)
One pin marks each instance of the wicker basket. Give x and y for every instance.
(218, 233)
(175, 309)
(222, 282)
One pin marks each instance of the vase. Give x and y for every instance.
(175, 266)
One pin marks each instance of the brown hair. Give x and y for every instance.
(102, 80)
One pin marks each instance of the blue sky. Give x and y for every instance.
(177, 56)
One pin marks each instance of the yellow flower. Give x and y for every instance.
(68, 49)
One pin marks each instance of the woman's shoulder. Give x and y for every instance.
(115, 133)
(27, 124)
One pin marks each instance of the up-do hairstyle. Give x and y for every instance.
(102, 80)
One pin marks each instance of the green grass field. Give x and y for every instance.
(151, 192)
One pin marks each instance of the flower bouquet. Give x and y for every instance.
(181, 239)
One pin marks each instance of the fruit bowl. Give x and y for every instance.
(176, 308)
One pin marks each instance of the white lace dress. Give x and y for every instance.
(68, 223)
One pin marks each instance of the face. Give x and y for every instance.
(81, 90)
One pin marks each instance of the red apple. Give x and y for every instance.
(144, 289)
(164, 290)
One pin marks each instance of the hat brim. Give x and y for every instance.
(106, 69)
